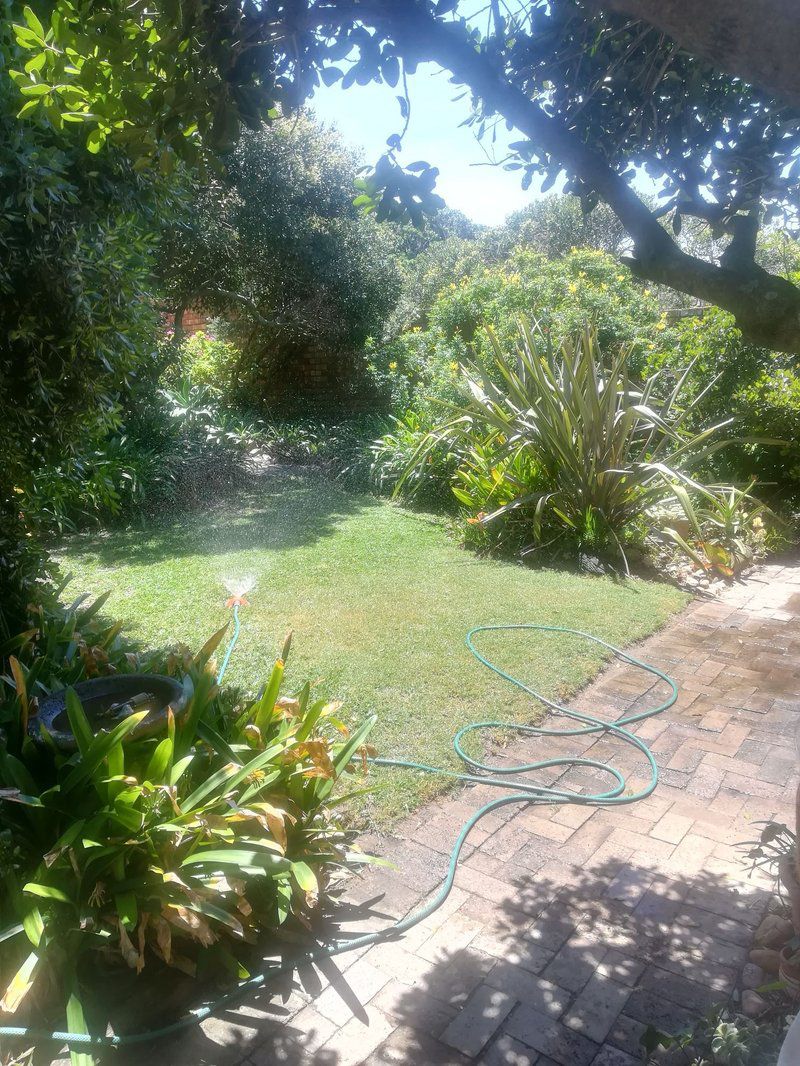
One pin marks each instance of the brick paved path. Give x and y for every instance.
(570, 928)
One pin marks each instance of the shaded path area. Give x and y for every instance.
(570, 928)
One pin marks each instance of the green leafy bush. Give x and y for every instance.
(757, 389)
(180, 445)
(208, 361)
(559, 295)
(277, 247)
(726, 527)
(419, 367)
(490, 478)
(135, 853)
(76, 310)
(591, 451)
(770, 407)
(429, 484)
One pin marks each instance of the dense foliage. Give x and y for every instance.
(138, 852)
(418, 367)
(756, 388)
(277, 246)
(594, 95)
(572, 439)
(76, 239)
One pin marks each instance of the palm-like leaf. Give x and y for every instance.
(600, 445)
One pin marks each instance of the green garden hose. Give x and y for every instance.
(476, 773)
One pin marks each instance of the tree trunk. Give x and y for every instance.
(756, 40)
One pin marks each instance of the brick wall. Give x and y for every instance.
(194, 319)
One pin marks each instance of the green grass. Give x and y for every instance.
(380, 600)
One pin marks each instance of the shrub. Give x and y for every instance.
(489, 479)
(770, 407)
(277, 247)
(76, 314)
(179, 445)
(208, 361)
(419, 367)
(726, 527)
(428, 484)
(754, 387)
(559, 295)
(595, 448)
(177, 850)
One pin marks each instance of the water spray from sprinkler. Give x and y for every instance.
(238, 589)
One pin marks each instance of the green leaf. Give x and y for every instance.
(262, 710)
(79, 723)
(39, 88)
(95, 140)
(267, 860)
(33, 925)
(100, 747)
(36, 63)
(33, 888)
(305, 877)
(26, 38)
(76, 1023)
(33, 21)
(27, 107)
(160, 763)
(229, 777)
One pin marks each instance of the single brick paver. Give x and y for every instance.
(571, 928)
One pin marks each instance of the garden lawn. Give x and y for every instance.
(380, 600)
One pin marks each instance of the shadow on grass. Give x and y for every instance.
(276, 513)
(546, 965)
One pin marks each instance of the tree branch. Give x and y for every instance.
(766, 308)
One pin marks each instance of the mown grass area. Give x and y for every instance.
(380, 600)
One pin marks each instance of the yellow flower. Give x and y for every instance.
(620, 277)
(393, 366)
(572, 287)
(454, 367)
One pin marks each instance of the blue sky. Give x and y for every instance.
(367, 114)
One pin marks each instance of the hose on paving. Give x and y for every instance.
(476, 772)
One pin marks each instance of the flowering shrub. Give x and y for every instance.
(559, 295)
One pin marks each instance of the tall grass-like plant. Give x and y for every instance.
(601, 447)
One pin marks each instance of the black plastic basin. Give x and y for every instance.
(106, 702)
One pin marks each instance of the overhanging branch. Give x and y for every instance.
(766, 308)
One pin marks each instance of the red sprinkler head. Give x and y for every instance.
(238, 590)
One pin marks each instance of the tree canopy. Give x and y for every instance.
(596, 95)
(276, 246)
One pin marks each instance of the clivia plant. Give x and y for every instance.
(180, 850)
